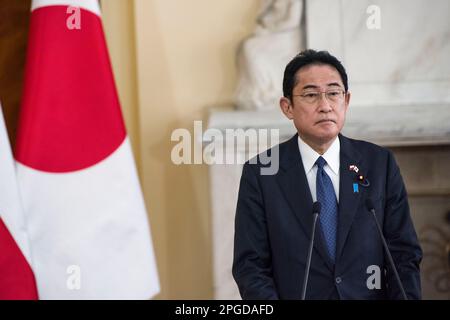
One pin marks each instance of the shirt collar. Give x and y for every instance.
(309, 155)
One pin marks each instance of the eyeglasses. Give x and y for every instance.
(312, 97)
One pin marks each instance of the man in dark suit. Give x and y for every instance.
(274, 212)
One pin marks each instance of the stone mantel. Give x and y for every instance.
(390, 126)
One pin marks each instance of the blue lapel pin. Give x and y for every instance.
(355, 169)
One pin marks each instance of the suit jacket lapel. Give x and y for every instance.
(348, 199)
(294, 184)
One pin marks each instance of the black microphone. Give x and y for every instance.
(316, 211)
(371, 208)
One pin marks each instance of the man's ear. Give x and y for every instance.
(347, 100)
(286, 107)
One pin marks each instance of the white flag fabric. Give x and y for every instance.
(16, 276)
(87, 221)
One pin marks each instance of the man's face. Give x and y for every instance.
(318, 120)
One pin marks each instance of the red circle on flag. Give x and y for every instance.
(70, 116)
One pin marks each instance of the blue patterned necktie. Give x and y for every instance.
(328, 215)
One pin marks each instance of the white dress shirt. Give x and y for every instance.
(331, 156)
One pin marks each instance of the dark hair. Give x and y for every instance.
(308, 57)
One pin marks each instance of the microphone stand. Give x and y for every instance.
(371, 208)
(316, 211)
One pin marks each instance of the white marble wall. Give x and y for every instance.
(404, 62)
(224, 180)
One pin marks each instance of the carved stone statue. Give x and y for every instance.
(263, 56)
